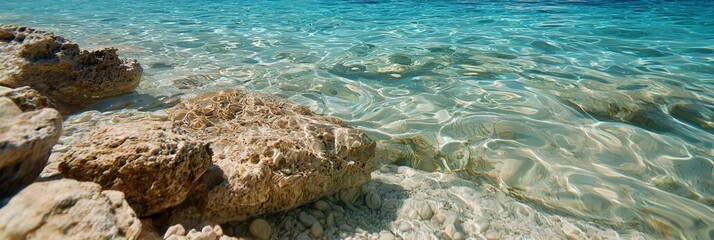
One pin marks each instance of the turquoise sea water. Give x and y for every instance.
(600, 110)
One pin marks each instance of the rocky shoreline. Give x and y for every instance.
(218, 165)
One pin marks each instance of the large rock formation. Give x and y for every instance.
(147, 160)
(57, 67)
(270, 156)
(67, 209)
(25, 143)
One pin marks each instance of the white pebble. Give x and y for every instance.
(424, 210)
(404, 226)
(260, 229)
(454, 234)
(175, 230)
(492, 235)
(386, 235)
(316, 230)
(218, 230)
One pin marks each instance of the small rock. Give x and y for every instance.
(424, 210)
(321, 205)
(175, 230)
(492, 235)
(317, 214)
(218, 230)
(8, 108)
(307, 219)
(207, 233)
(338, 209)
(345, 227)
(260, 229)
(193, 234)
(176, 237)
(404, 226)
(453, 233)
(374, 201)
(350, 195)
(386, 235)
(303, 236)
(316, 230)
(330, 222)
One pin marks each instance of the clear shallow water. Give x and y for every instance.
(599, 110)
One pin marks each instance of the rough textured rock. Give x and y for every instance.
(28, 99)
(147, 160)
(67, 209)
(57, 67)
(25, 143)
(270, 155)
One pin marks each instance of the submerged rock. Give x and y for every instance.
(58, 69)
(26, 140)
(270, 155)
(67, 209)
(149, 161)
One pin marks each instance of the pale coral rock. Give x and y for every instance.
(67, 209)
(270, 155)
(260, 229)
(152, 163)
(58, 69)
(26, 140)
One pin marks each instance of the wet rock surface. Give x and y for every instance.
(25, 143)
(57, 68)
(270, 155)
(148, 160)
(67, 209)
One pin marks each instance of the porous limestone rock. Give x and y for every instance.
(270, 155)
(58, 69)
(25, 143)
(148, 160)
(68, 209)
(28, 99)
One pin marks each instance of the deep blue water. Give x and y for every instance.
(604, 109)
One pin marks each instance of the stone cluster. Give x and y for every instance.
(217, 157)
